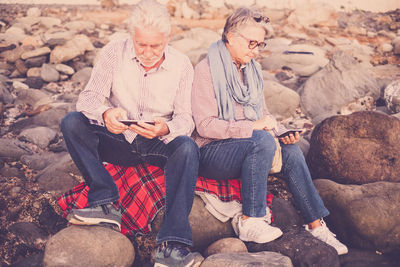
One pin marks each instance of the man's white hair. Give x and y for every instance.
(150, 13)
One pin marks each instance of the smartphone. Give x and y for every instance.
(129, 122)
(288, 132)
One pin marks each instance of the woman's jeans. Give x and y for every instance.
(89, 145)
(250, 159)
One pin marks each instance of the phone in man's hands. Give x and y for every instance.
(287, 132)
(135, 122)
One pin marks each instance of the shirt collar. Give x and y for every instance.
(168, 60)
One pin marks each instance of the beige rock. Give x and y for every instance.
(35, 53)
(73, 48)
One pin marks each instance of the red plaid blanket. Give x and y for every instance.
(141, 190)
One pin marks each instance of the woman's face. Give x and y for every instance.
(240, 40)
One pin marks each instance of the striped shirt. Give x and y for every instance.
(118, 80)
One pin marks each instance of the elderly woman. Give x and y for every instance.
(232, 124)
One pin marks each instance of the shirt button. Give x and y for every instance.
(145, 75)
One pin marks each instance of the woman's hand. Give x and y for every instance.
(290, 139)
(265, 123)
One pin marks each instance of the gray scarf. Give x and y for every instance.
(228, 86)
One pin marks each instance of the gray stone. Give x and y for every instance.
(205, 227)
(19, 85)
(33, 97)
(50, 22)
(35, 61)
(36, 53)
(8, 171)
(12, 150)
(29, 233)
(73, 48)
(58, 177)
(49, 74)
(33, 12)
(33, 72)
(41, 136)
(392, 96)
(82, 76)
(301, 247)
(396, 46)
(284, 214)
(226, 245)
(88, 246)
(358, 148)
(65, 69)
(364, 216)
(39, 161)
(261, 259)
(15, 54)
(34, 82)
(5, 95)
(368, 258)
(342, 81)
(281, 101)
(79, 25)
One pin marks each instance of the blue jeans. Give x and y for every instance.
(250, 159)
(89, 145)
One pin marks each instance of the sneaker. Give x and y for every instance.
(324, 234)
(105, 214)
(174, 254)
(257, 230)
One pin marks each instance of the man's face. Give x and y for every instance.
(149, 45)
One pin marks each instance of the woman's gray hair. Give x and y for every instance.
(244, 16)
(150, 13)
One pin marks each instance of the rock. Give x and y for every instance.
(362, 104)
(33, 97)
(41, 136)
(358, 148)
(34, 72)
(36, 53)
(387, 47)
(5, 95)
(8, 171)
(39, 161)
(301, 247)
(206, 229)
(73, 48)
(35, 61)
(363, 214)
(301, 64)
(20, 65)
(261, 259)
(79, 25)
(88, 246)
(367, 258)
(396, 46)
(13, 35)
(82, 76)
(29, 233)
(12, 150)
(49, 74)
(226, 245)
(326, 15)
(342, 81)
(20, 86)
(392, 96)
(13, 55)
(284, 214)
(58, 35)
(50, 22)
(49, 219)
(33, 12)
(281, 101)
(34, 82)
(33, 260)
(56, 178)
(65, 69)
(185, 45)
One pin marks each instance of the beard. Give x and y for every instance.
(149, 62)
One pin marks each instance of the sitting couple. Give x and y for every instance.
(143, 78)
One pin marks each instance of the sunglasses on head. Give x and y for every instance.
(259, 18)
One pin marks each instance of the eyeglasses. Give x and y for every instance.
(253, 43)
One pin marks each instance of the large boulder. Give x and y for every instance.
(359, 148)
(88, 246)
(364, 216)
(261, 259)
(342, 81)
(280, 100)
(301, 247)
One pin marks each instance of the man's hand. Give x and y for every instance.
(111, 119)
(160, 128)
(290, 139)
(265, 123)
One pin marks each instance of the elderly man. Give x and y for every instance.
(136, 108)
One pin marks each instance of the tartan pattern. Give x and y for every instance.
(142, 191)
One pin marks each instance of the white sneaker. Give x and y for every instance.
(324, 234)
(257, 230)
